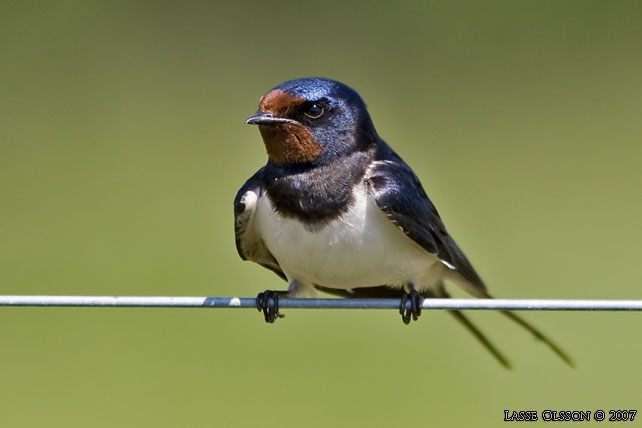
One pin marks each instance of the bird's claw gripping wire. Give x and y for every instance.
(416, 301)
(268, 302)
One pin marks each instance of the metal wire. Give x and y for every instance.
(247, 302)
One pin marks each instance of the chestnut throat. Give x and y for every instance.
(289, 143)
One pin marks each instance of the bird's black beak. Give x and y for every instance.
(266, 118)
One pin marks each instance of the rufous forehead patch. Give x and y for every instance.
(279, 103)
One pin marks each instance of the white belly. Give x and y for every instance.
(361, 249)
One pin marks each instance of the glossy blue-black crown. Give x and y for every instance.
(315, 88)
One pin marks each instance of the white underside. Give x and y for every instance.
(363, 248)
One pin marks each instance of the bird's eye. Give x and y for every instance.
(314, 111)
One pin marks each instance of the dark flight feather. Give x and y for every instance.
(399, 194)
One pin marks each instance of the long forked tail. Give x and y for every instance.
(540, 336)
(515, 318)
(466, 322)
(391, 293)
(501, 358)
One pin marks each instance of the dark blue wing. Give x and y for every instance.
(248, 244)
(399, 194)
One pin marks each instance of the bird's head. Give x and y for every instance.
(312, 120)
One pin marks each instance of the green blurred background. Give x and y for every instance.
(122, 145)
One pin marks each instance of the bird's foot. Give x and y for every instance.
(416, 301)
(268, 302)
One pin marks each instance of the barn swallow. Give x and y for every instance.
(336, 209)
